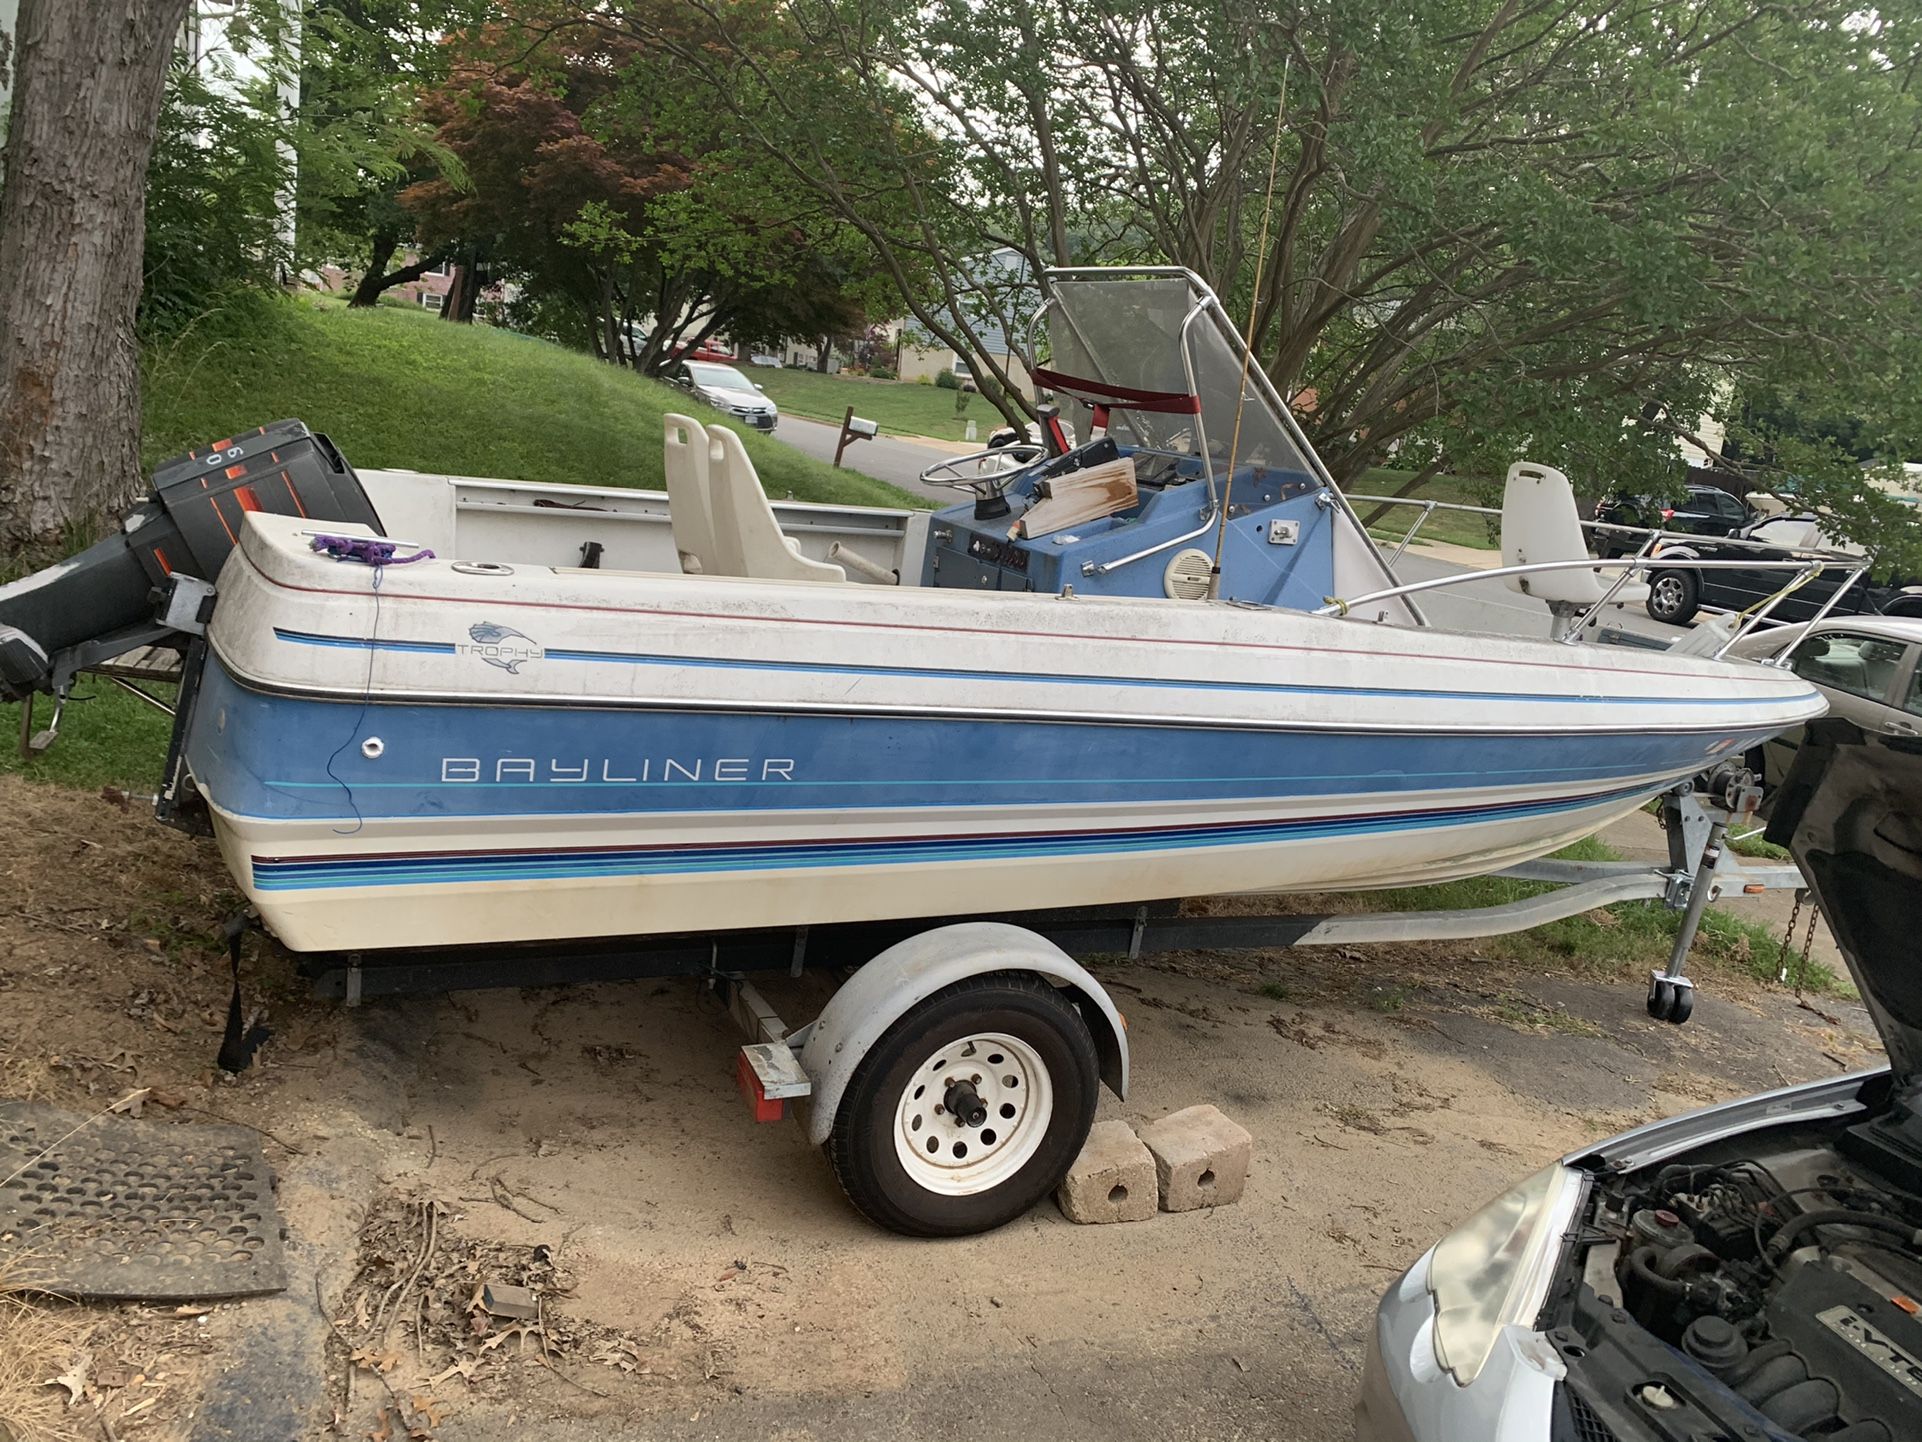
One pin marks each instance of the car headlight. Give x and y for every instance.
(1493, 1270)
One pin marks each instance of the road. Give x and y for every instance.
(898, 460)
(1485, 608)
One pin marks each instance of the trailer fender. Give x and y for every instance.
(911, 971)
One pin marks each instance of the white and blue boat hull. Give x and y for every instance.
(545, 754)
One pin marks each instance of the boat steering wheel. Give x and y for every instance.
(994, 471)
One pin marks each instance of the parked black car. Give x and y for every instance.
(1705, 511)
(1676, 596)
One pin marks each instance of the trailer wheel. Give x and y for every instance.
(969, 1109)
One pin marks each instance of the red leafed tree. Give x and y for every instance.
(541, 180)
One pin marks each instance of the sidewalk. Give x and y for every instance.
(1469, 558)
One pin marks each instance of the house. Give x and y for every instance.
(1004, 293)
(922, 356)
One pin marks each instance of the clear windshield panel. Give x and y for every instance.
(1128, 333)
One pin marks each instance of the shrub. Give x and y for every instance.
(947, 380)
(213, 200)
(882, 373)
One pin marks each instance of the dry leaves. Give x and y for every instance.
(74, 1379)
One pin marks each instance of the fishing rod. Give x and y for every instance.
(1248, 340)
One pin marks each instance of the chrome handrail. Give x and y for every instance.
(1829, 605)
(1660, 536)
(1575, 631)
(1101, 568)
(1341, 607)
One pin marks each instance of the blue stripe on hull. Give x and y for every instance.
(943, 673)
(312, 873)
(294, 759)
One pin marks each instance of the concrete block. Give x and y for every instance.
(1201, 1158)
(1113, 1180)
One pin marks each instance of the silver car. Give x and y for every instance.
(1865, 665)
(726, 389)
(1749, 1271)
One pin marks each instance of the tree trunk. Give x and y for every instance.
(373, 280)
(821, 354)
(88, 83)
(463, 290)
(373, 285)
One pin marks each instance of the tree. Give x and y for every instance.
(1498, 228)
(609, 184)
(89, 76)
(364, 65)
(216, 192)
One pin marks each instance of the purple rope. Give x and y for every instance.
(367, 550)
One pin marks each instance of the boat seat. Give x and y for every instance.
(748, 541)
(1539, 523)
(689, 494)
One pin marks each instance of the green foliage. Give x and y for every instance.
(947, 380)
(360, 141)
(214, 191)
(1497, 231)
(603, 176)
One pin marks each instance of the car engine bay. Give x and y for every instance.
(1768, 1292)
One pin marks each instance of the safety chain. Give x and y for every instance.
(1808, 942)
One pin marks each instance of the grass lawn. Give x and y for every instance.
(900, 408)
(1483, 533)
(107, 738)
(1629, 937)
(398, 388)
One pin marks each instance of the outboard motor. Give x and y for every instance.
(125, 591)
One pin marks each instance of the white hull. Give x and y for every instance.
(553, 753)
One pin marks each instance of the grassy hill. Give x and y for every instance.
(398, 388)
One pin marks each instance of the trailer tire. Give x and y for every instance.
(1021, 1062)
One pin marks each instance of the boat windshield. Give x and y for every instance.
(1121, 337)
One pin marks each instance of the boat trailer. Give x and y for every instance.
(1700, 869)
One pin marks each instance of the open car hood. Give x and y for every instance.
(1850, 811)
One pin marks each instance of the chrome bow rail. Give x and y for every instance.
(1803, 571)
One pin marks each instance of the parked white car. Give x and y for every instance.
(726, 389)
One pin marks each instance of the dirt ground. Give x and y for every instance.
(701, 1277)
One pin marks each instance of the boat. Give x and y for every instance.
(440, 711)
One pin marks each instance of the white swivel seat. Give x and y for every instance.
(748, 541)
(689, 495)
(1539, 523)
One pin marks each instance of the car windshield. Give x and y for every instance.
(720, 378)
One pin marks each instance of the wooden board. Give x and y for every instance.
(1083, 495)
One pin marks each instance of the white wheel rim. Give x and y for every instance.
(1011, 1080)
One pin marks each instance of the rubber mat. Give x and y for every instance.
(132, 1210)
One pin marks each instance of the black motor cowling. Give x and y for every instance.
(103, 600)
